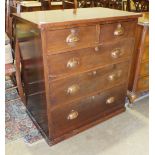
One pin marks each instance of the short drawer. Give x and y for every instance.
(143, 84)
(144, 69)
(81, 85)
(71, 38)
(115, 31)
(85, 59)
(72, 116)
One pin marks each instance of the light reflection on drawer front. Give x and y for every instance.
(77, 86)
(85, 59)
(68, 117)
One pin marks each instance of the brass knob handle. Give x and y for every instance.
(112, 77)
(73, 89)
(93, 73)
(110, 100)
(115, 75)
(72, 37)
(96, 49)
(116, 53)
(72, 63)
(72, 115)
(119, 73)
(93, 97)
(119, 30)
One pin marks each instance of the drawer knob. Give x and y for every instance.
(72, 63)
(73, 89)
(93, 97)
(116, 53)
(115, 75)
(119, 73)
(93, 73)
(72, 115)
(110, 100)
(96, 49)
(112, 77)
(119, 30)
(72, 37)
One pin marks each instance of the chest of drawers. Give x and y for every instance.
(75, 67)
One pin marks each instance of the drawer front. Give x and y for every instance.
(144, 70)
(68, 39)
(74, 87)
(72, 116)
(115, 31)
(85, 59)
(143, 84)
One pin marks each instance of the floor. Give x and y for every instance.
(125, 134)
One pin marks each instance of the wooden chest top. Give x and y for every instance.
(65, 17)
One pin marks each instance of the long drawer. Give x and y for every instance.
(85, 59)
(72, 116)
(77, 86)
(71, 38)
(116, 31)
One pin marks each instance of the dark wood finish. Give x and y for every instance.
(88, 83)
(87, 58)
(9, 26)
(86, 35)
(140, 72)
(88, 109)
(6, 16)
(108, 30)
(65, 102)
(82, 128)
(46, 5)
(18, 73)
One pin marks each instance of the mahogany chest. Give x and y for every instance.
(75, 66)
